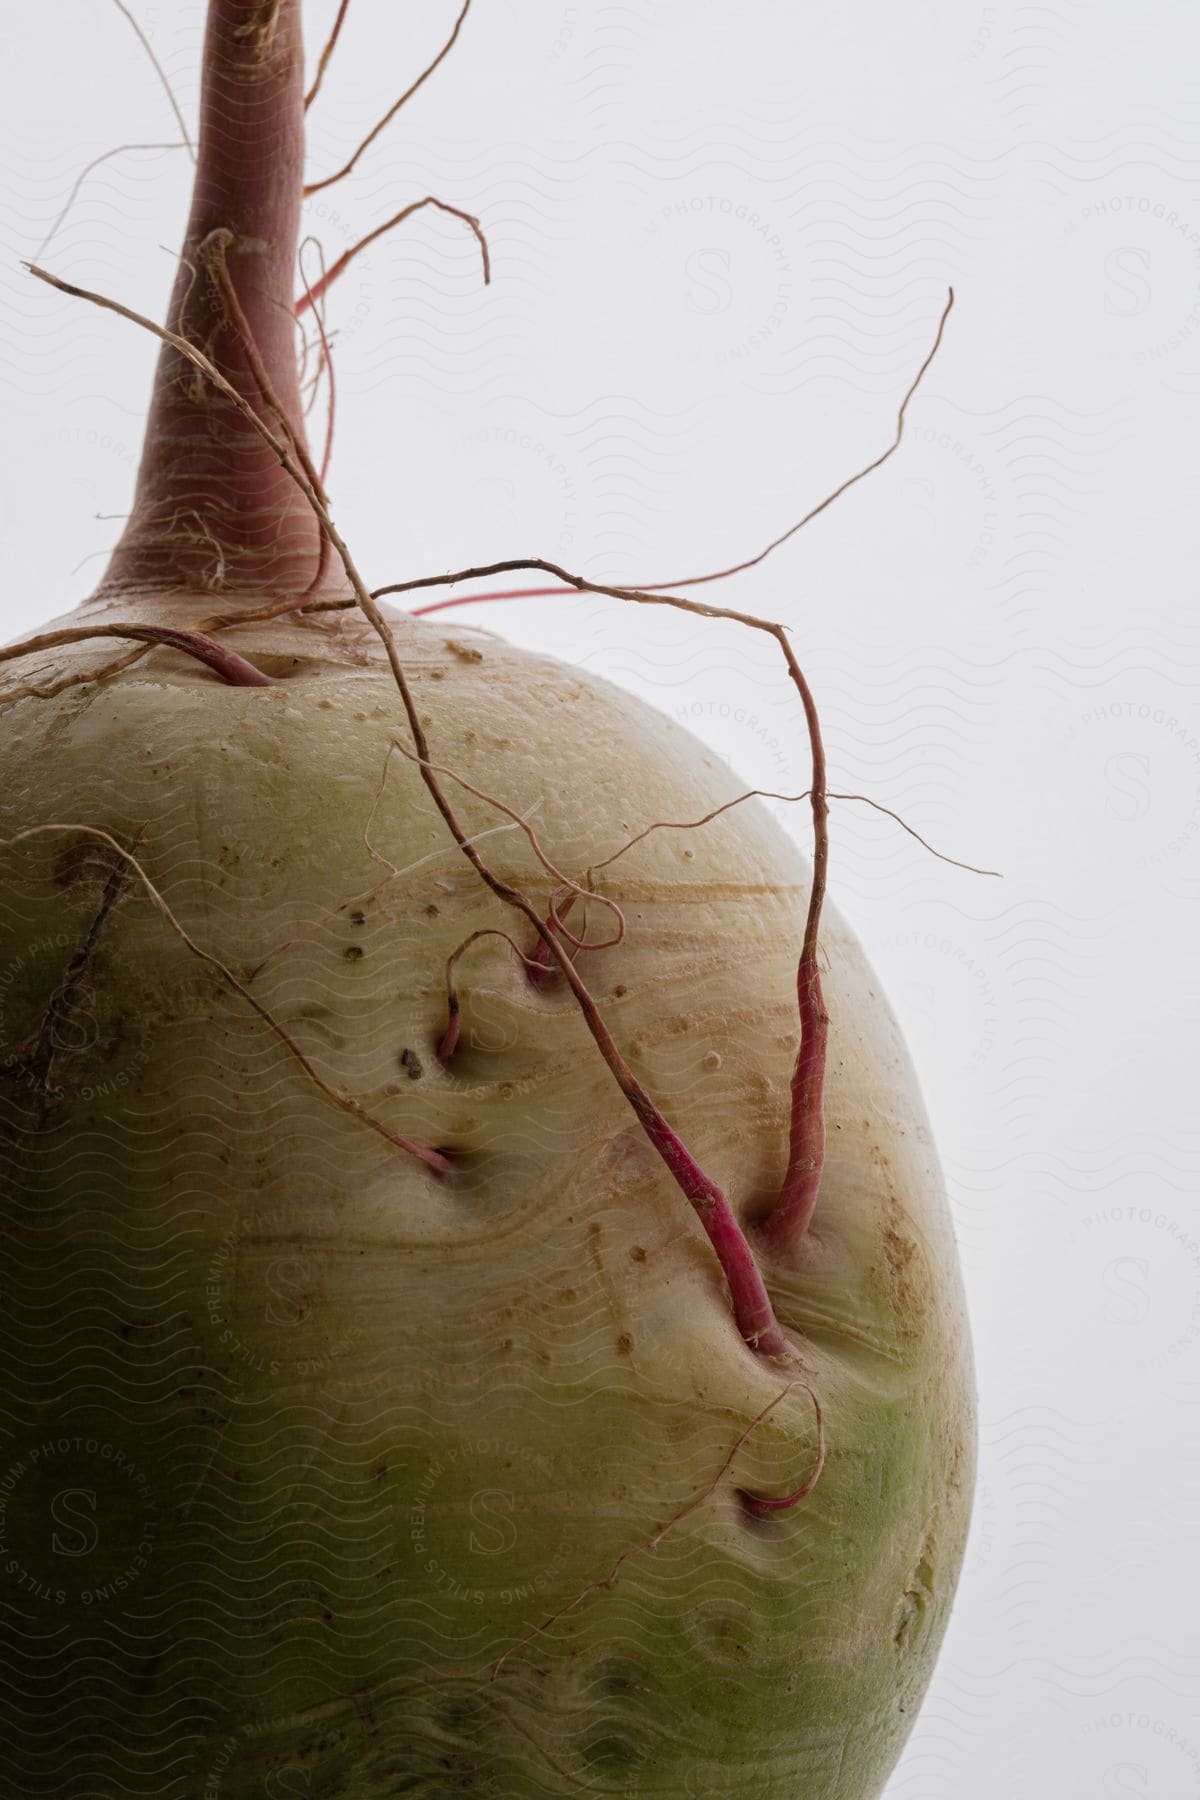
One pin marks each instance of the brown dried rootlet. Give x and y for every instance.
(377, 1420)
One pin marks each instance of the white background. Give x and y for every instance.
(722, 235)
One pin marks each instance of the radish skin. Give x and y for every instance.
(493, 1469)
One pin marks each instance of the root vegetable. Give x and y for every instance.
(378, 1417)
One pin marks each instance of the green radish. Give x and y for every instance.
(437, 1358)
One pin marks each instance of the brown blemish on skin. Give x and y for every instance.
(917, 1601)
(899, 1251)
(907, 1275)
(36, 1064)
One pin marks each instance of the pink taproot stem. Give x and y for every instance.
(203, 457)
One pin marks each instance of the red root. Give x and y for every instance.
(448, 1043)
(312, 294)
(751, 1302)
(541, 974)
(328, 369)
(326, 53)
(751, 1306)
(609, 1581)
(760, 1505)
(233, 669)
(797, 1199)
(314, 187)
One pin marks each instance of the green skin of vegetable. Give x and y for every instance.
(338, 1432)
(321, 1474)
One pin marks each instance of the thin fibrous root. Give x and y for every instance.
(148, 47)
(314, 187)
(752, 1309)
(326, 53)
(233, 669)
(802, 1178)
(738, 568)
(30, 689)
(448, 1042)
(843, 487)
(220, 622)
(433, 1159)
(761, 1504)
(768, 794)
(394, 872)
(326, 367)
(750, 1501)
(540, 972)
(645, 589)
(313, 294)
(105, 156)
(522, 824)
